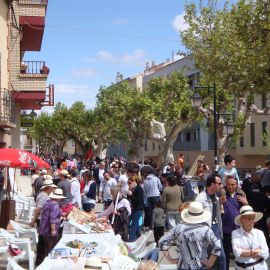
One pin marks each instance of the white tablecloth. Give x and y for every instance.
(106, 247)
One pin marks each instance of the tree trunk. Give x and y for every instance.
(136, 149)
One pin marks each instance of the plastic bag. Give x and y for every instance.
(14, 251)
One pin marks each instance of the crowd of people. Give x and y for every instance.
(229, 215)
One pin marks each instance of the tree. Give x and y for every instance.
(125, 115)
(231, 48)
(171, 101)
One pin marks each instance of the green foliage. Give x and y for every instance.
(231, 47)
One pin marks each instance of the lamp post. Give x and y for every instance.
(197, 103)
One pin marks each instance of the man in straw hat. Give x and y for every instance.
(49, 223)
(249, 244)
(194, 238)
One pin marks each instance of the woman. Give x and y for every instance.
(194, 239)
(89, 192)
(249, 244)
(172, 197)
(122, 213)
(50, 223)
(135, 197)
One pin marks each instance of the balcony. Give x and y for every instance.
(34, 100)
(32, 23)
(34, 68)
(7, 105)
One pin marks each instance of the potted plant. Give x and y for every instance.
(44, 70)
(23, 68)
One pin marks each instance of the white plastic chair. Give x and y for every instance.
(167, 267)
(23, 243)
(29, 232)
(142, 253)
(122, 262)
(141, 242)
(12, 265)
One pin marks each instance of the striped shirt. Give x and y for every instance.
(193, 242)
(152, 186)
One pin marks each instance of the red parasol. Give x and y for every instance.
(16, 158)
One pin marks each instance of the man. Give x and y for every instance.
(265, 178)
(180, 161)
(105, 189)
(123, 182)
(65, 185)
(229, 169)
(259, 202)
(232, 202)
(98, 174)
(249, 245)
(211, 202)
(39, 182)
(75, 190)
(152, 187)
(194, 239)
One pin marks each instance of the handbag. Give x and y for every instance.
(14, 251)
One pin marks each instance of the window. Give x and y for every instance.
(252, 134)
(264, 101)
(264, 133)
(241, 144)
(195, 135)
(188, 136)
(154, 146)
(145, 146)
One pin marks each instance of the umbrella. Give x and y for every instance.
(16, 158)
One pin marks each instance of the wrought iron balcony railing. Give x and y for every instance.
(33, 2)
(7, 106)
(34, 67)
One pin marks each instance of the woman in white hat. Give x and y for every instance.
(249, 244)
(194, 238)
(50, 222)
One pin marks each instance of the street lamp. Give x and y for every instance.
(197, 103)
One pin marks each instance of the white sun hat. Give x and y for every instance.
(247, 210)
(195, 214)
(48, 183)
(57, 194)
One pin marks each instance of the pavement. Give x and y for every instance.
(24, 185)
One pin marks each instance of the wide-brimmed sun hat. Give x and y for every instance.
(57, 194)
(195, 214)
(48, 183)
(64, 172)
(247, 210)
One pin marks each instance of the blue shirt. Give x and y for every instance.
(231, 210)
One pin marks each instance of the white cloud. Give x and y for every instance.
(66, 89)
(84, 72)
(136, 58)
(88, 60)
(120, 21)
(179, 24)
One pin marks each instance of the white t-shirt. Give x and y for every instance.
(123, 180)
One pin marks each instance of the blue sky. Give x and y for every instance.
(86, 42)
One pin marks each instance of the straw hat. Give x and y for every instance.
(57, 194)
(48, 177)
(195, 214)
(247, 210)
(48, 183)
(64, 172)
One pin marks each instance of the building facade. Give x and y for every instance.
(23, 83)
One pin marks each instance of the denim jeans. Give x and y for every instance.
(172, 218)
(152, 255)
(222, 258)
(134, 227)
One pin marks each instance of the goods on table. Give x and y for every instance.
(87, 221)
(93, 263)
